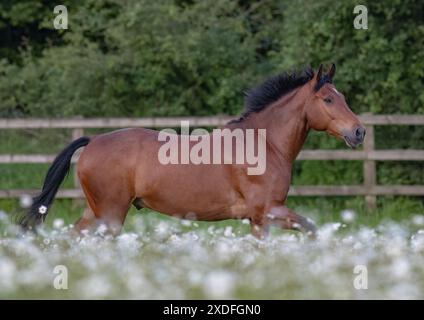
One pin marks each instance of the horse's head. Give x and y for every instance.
(327, 110)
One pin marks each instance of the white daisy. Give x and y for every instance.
(42, 210)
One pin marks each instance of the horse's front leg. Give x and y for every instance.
(284, 218)
(259, 229)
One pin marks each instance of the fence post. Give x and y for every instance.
(369, 168)
(77, 133)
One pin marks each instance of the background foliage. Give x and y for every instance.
(184, 57)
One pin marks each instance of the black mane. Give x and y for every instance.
(272, 89)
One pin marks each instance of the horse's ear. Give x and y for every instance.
(319, 73)
(332, 71)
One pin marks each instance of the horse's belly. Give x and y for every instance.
(194, 205)
(188, 211)
(202, 193)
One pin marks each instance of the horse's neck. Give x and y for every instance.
(285, 124)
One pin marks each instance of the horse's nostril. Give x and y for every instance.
(360, 133)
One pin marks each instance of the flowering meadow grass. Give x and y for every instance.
(156, 258)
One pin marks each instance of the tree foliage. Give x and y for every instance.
(135, 58)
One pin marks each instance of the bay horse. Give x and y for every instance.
(121, 168)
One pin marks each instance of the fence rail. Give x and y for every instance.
(368, 155)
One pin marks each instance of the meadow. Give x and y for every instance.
(158, 258)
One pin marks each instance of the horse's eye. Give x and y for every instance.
(328, 100)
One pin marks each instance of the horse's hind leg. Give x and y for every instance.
(112, 215)
(106, 206)
(88, 220)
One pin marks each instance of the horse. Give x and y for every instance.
(121, 168)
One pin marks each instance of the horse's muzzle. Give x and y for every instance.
(354, 137)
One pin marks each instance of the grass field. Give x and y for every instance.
(160, 258)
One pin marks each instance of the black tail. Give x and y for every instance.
(57, 172)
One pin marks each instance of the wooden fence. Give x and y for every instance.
(368, 154)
